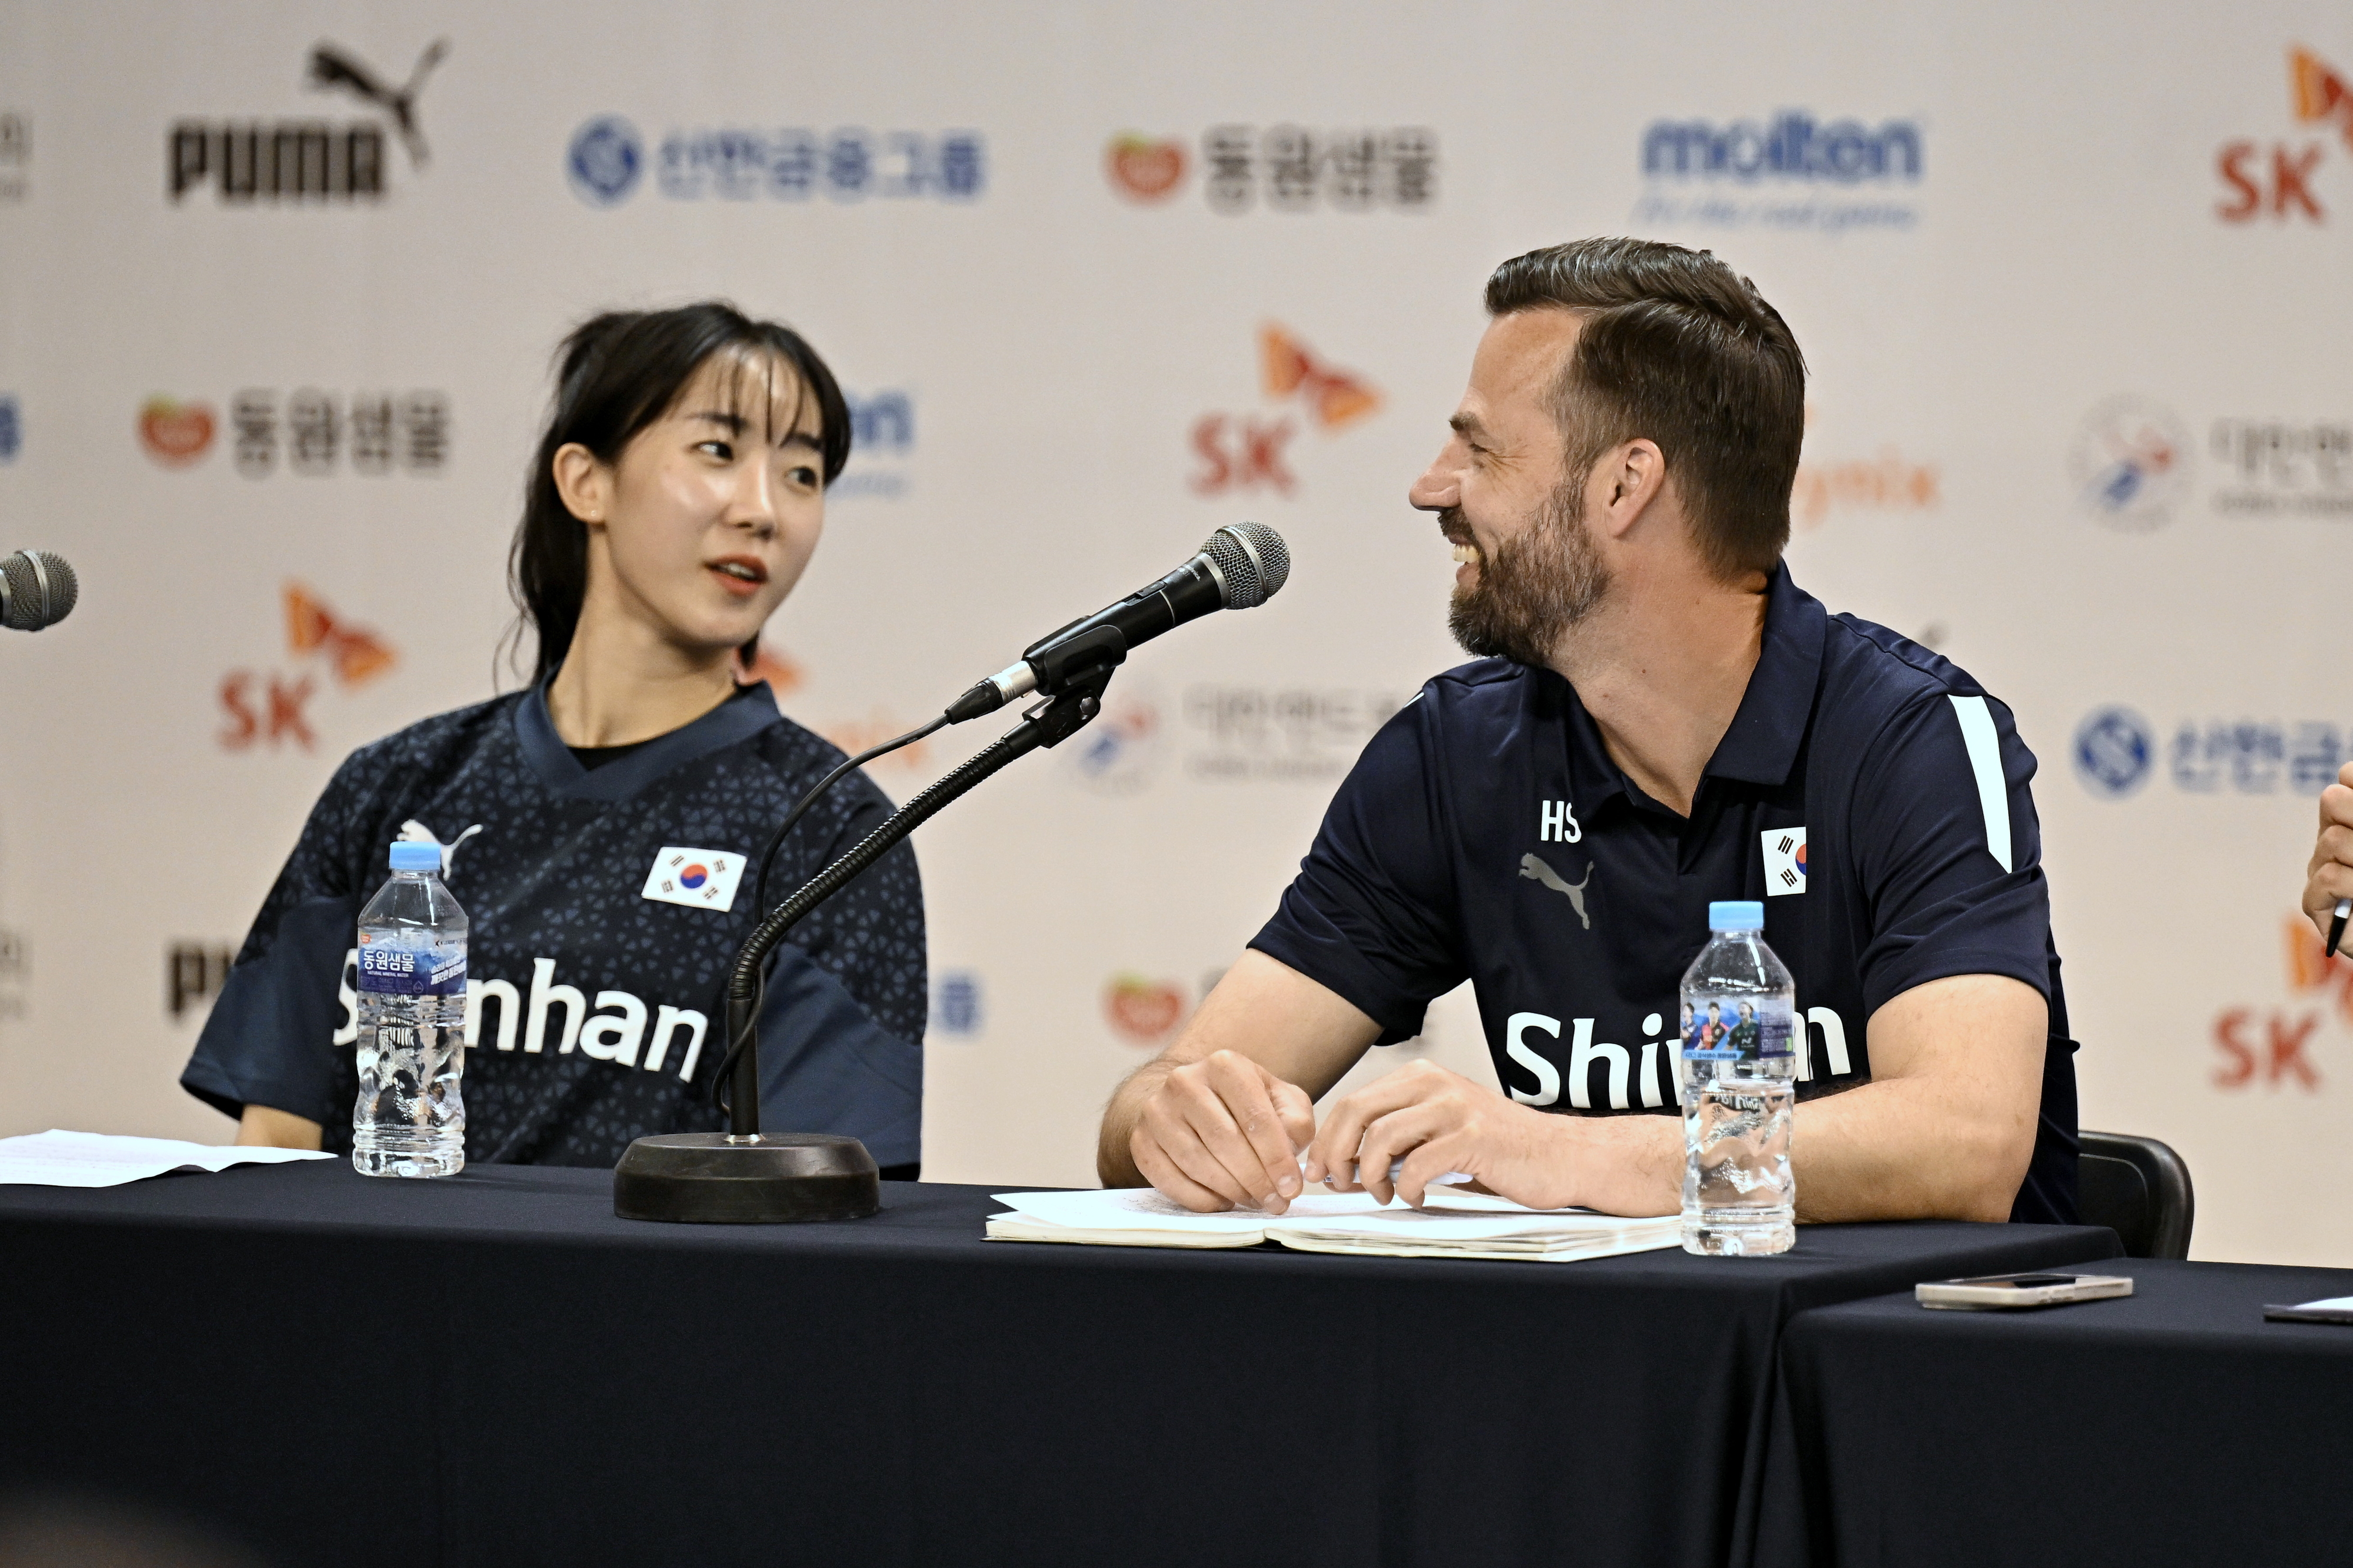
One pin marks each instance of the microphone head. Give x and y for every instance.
(37, 589)
(1252, 561)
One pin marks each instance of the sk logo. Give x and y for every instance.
(1785, 860)
(1336, 398)
(2321, 95)
(699, 878)
(356, 653)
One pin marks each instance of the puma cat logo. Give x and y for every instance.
(331, 68)
(415, 832)
(1536, 869)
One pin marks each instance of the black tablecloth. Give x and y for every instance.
(492, 1369)
(2173, 1425)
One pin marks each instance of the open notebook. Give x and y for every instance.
(1456, 1223)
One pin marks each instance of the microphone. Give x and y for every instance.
(36, 590)
(1239, 567)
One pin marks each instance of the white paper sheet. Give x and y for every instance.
(60, 1159)
(1456, 1223)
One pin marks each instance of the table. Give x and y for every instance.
(2173, 1425)
(492, 1369)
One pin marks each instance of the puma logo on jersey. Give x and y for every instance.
(1534, 868)
(415, 832)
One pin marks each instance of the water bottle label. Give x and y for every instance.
(1735, 1029)
(389, 969)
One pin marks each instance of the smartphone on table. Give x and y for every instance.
(1998, 1292)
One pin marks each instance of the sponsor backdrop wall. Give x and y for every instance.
(278, 284)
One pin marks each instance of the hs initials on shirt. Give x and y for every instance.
(1556, 822)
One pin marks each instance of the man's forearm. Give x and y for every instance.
(1901, 1149)
(262, 1128)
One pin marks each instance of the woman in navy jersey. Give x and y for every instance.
(599, 826)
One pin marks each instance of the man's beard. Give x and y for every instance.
(1532, 589)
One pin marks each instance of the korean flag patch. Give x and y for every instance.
(699, 878)
(1785, 860)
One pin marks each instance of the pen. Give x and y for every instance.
(2336, 926)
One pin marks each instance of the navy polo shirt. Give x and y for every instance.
(1868, 792)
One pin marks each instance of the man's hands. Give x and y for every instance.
(1216, 1118)
(1440, 1121)
(1223, 1132)
(2329, 877)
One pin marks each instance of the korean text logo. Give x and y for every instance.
(2116, 751)
(315, 433)
(608, 159)
(1282, 168)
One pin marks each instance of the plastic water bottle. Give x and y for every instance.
(1739, 1019)
(410, 1119)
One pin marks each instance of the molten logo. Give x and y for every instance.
(176, 434)
(1143, 170)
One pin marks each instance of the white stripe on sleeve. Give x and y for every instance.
(1985, 760)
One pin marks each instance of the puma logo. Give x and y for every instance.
(415, 832)
(329, 67)
(1534, 868)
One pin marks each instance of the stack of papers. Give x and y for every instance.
(1454, 1224)
(60, 1159)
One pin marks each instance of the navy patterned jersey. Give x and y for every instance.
(596, 970)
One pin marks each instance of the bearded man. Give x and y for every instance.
(1659, 718)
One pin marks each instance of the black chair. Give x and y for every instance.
(2138, 1188)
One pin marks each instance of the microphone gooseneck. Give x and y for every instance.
(38, 589)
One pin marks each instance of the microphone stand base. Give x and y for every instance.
(770, 1178)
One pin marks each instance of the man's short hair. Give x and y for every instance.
(1678, 348)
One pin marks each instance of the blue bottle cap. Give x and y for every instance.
(1736, 914)
(409, 856)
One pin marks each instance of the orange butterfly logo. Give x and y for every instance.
(2321, 94)
(1338, 397)
(358, 655)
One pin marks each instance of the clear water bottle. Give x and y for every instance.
(410, 1119)
(1739, 1022)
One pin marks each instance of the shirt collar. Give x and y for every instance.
(1765, 732)
(747, 711)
